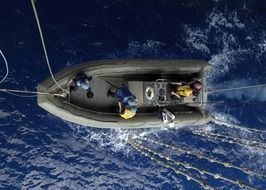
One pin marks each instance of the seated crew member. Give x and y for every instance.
(127, 102)
(196, 87)
(181, 90)
(82, 81)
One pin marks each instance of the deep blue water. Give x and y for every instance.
(40, 151)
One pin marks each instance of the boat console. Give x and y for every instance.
(151, 93)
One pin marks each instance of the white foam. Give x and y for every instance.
(218, 20)
(261, 47)
(116, 139)
(218, 23)
(197, 39)
(4, 114)
(136, 48)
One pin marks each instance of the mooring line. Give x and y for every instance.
(202, 156)
(6, 64)
(200, 170)
(44, 47)
(188, 176)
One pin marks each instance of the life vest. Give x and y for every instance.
(184, 90)
(128, 113)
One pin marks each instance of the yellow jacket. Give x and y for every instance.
(184, 90)
(128, 113)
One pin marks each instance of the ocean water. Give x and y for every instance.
(40, 151)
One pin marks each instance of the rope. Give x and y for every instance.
(190, 166)
(232, 139)
(34, 94)
(22, 96)
(235, 126)
(201, 155)
(219, 138)
(237, 88)
(112, 85)
(7, 70)
(13, 92)
(44, 47)
(150, 154)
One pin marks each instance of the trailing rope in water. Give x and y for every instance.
(143, 150)
(234, 126)
(202, 156)
(231, 139)
(15, 92)
(22, 96)
(223, 138)
(44, 47)
(190, 166)
(237, 88)
(7, 70)
(34, 93)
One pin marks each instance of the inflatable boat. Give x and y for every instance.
(147, 79)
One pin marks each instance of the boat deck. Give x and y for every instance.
(100, 102)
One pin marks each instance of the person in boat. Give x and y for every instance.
(181, 90)
(196, 87)
(82, 81)
(127, 103)
(165, 116)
